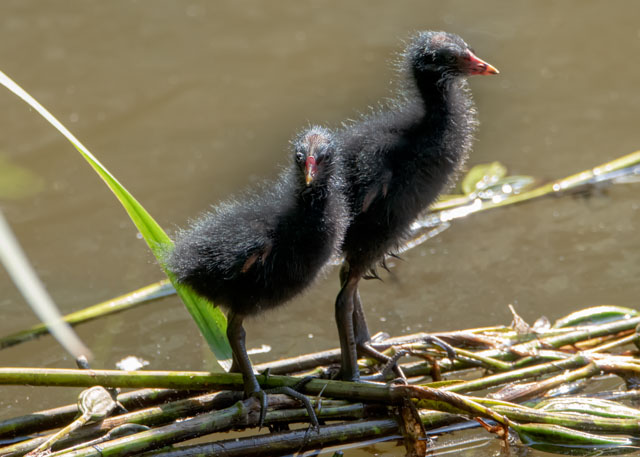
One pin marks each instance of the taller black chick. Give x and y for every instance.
(260, 250)
(397, 161)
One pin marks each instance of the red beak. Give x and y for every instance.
(310, 169)
(477, 66)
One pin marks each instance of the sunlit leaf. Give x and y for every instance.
(209, 319)
(505, 187)
(482, 176)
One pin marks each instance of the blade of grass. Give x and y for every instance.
(210, 320)
(33, 291)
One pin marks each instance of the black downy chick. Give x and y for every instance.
(257, 252)
(397, 162)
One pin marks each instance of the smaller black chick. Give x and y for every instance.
(256, 252)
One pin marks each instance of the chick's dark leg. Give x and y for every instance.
(362, 335)
(241, 362)
(344, 320)
(360, 327)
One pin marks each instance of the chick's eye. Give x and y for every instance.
(299, 157)
(320, 157)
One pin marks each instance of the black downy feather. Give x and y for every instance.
(396, 162)
(262, 248)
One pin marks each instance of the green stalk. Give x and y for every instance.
(217, 407)
(536, 345)
(526, 391)
(188, 380)
(518, 375)
(261, 445)
(595, 315)
(40, 421)
(169, 434)
(554, 187)
(298, 441)
(143, 295)
(487, 362)
(558, 439)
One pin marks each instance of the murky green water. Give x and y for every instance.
(187, 102)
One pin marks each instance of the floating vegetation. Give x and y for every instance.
(503, 380)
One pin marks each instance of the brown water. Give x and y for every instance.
(187, 102)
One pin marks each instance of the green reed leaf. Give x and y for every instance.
(210, 320)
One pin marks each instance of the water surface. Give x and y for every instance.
(188, 102)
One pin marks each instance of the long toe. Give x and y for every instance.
(392, 366)
(390, 363)
(261, 396)
(435, 341)
(291, 392)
